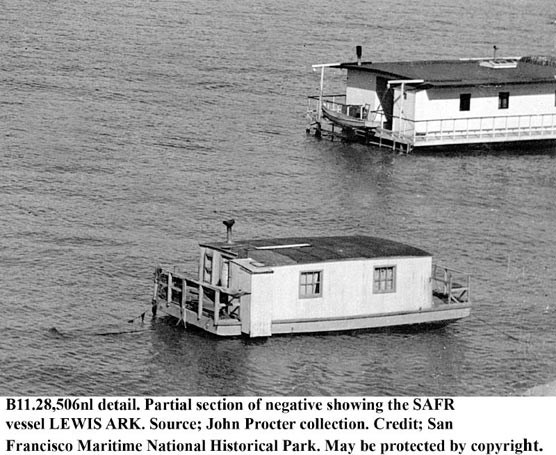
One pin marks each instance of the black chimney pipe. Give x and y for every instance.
(229, 224)
(359, 53)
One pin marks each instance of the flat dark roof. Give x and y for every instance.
(304, 250)
(439, 73)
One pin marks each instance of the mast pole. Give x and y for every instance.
(321, 92)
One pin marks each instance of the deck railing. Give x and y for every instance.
(451, 285)
(447, 131)
(177, 288)
(477, 129)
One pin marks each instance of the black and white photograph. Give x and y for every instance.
(278, 199)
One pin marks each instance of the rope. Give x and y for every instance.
(142, 316)
(55, 332)
(118, 333)
(512, 337)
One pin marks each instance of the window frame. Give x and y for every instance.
(503, 100)
(377, 287)
(310, 285)
(465, 102)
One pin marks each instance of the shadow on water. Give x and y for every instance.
(525, 148)
(310, 364)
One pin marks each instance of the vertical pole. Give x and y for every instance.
(154, 303)
(402, 123)
(201, 298)
(321, 92)
(468, 289)
(169, 292)
(216, 306)
(183, 298)
(155, 287)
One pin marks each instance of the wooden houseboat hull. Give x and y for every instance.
(439, 316)
(442, 315)
(262, 288)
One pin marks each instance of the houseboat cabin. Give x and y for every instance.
(427, 104)
(260, 288)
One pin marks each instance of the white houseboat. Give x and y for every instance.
(265, 287)
(428, 104)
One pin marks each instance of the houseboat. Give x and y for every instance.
(419, 105)
(265, 287)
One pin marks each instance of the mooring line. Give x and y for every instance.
(54, 331)
(500, 331)
(142, 316)
(118, 333)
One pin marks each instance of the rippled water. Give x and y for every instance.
(131, 129)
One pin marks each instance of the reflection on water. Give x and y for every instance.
(364, 362)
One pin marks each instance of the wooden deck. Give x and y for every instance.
(450, 285)
(185, 294)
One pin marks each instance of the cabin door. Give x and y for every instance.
(386, 100)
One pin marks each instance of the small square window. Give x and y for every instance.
(384, 280)
(465, 102)
(503, 100)
(310, 284)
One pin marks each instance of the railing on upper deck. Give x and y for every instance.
(451, 285)
(186, 292)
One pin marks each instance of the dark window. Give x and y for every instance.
(503, 100)
(465, 102)
(384, 280)
(310, 284)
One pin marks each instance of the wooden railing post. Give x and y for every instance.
(216, 306)
(155, 287)
(183, 299)
(449, 288)
(201, 298)
(468, 289)
(169, 289)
